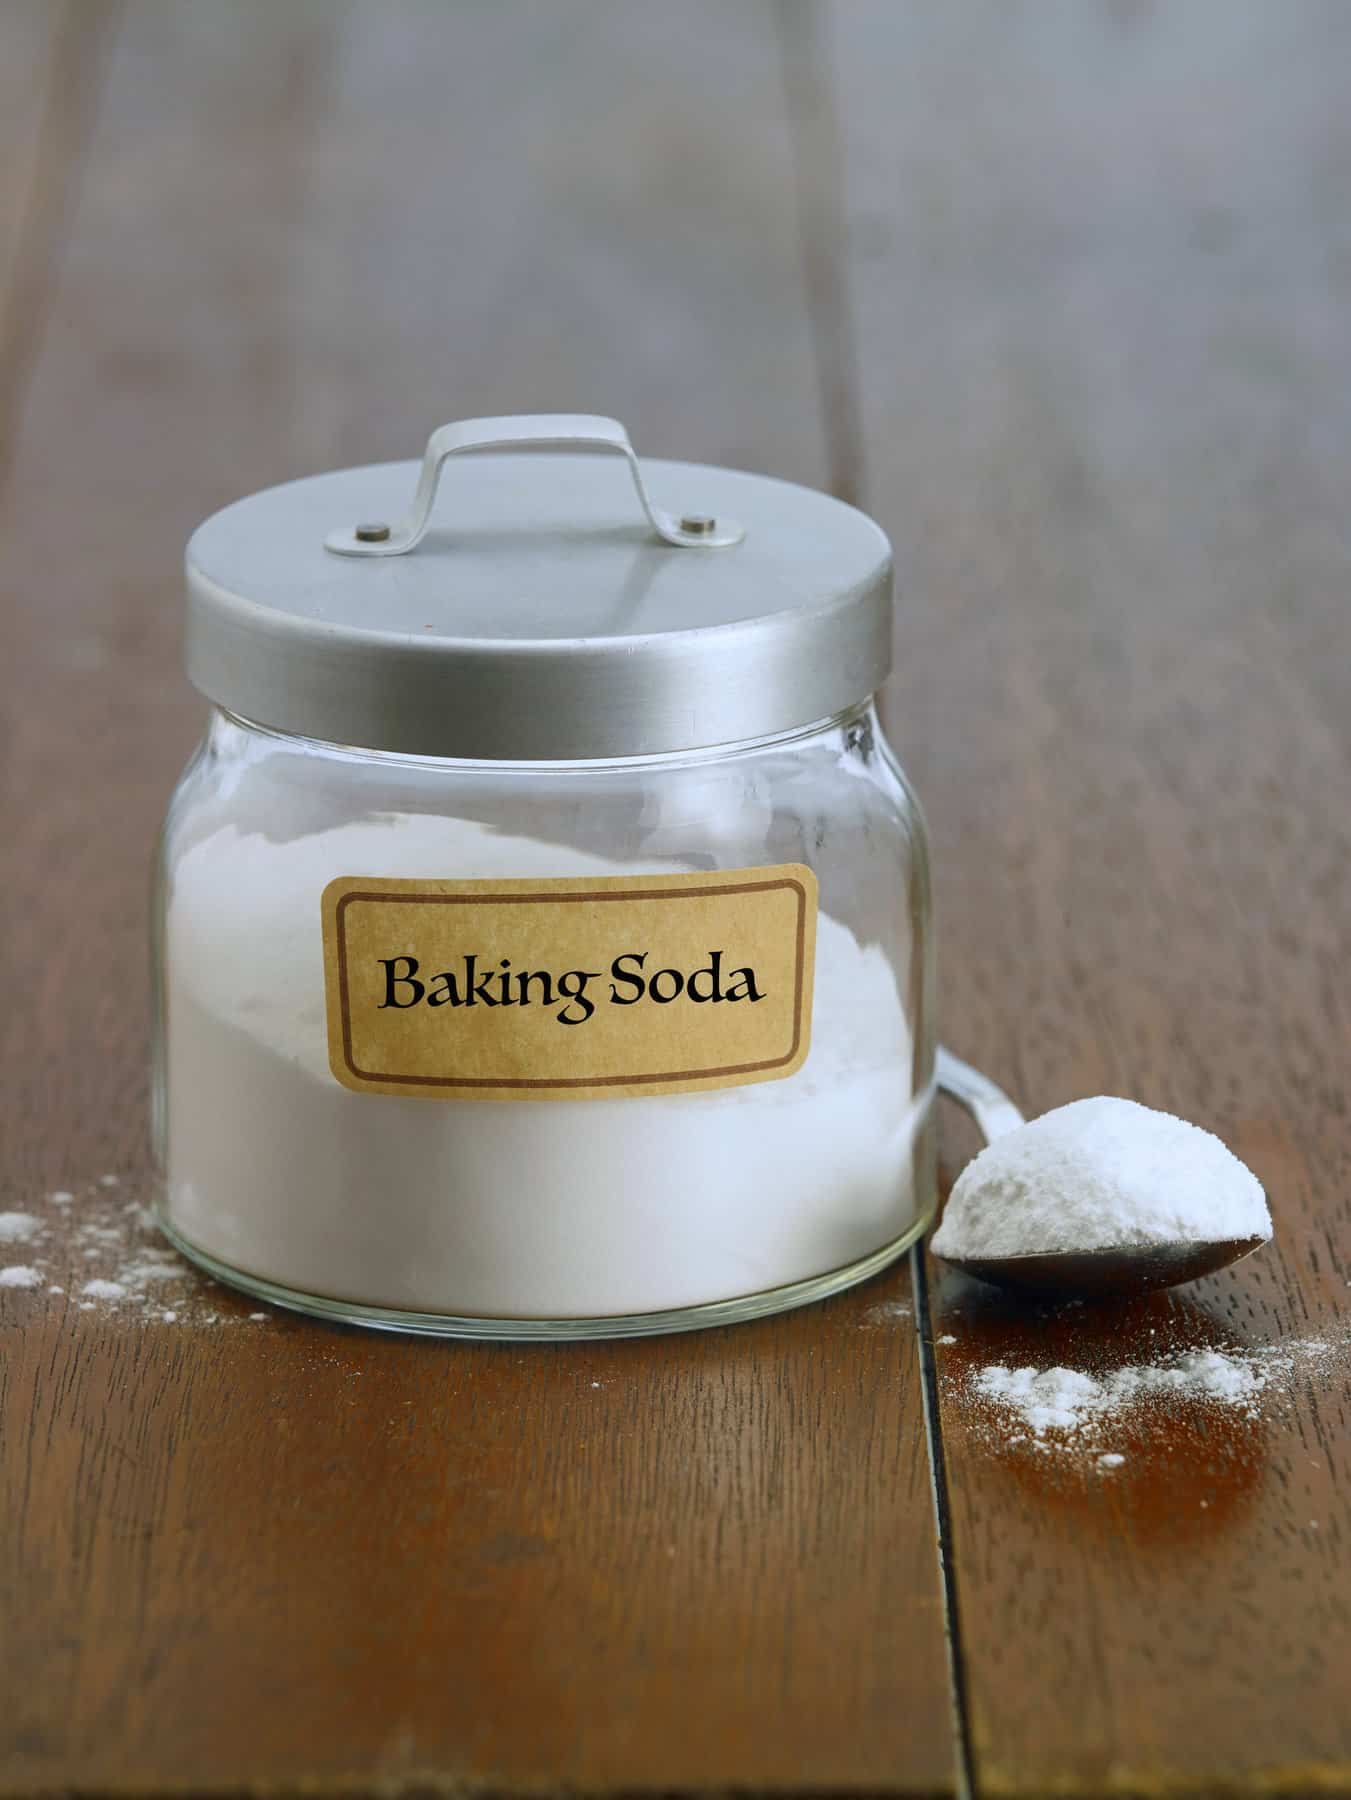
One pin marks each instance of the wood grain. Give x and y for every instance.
(1101, 276)
(49, 77)
(273, 1555)
(249, 1554)
(32, 37)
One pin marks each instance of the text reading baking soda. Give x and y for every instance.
(661, 984)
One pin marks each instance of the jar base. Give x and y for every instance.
(554, 1331)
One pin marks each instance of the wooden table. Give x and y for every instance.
(1063, 295)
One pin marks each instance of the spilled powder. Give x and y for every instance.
(1068, 1410)
(99, 1247)
(1066, 1399)
(104, 1290)
(886, 1312)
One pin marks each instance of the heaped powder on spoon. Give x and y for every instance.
(1100, 1174)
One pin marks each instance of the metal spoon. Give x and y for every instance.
(1123, 1269)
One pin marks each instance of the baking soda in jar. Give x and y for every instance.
(543, 925)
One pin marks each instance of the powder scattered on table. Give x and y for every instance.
(886, 1312)
(20, 1275)
(1069, 1410)
(160, 1265)
(1067, 1399)
(104, 1290)
(1099, 1174)
(102, 1246)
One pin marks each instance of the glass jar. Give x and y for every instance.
(512, 1044)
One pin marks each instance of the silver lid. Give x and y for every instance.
(542, 617)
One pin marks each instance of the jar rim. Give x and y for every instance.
(704, 753)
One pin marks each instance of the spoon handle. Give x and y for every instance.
(987, 1104)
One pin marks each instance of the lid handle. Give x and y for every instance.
(542, 431)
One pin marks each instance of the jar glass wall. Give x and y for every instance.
(537, 1217)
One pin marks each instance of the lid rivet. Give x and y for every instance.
(698, 524)
(375, 533)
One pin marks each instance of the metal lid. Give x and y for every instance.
(542, 617)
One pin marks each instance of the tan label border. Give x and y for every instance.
(509, 893)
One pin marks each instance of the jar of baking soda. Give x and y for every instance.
(542, 927)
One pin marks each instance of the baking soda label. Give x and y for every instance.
(573, 988)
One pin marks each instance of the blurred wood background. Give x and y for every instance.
(1062, 293)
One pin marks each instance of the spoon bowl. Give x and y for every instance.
(1119, 1270)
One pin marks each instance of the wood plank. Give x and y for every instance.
(268, 1554)
(51, 64)
(1100, 262)
(29, 37)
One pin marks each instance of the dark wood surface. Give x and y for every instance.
(1063, 294)
(1102, 291)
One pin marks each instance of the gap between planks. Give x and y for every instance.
(811, 94)
(938, 1481)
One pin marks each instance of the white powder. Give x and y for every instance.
(151, 1268)
(1098, 1174)
(19, 1275)
(108, 1252)
(538, 1208)
(104, 1290)
(886, 1312)
(18, 1227)
(1066, 1400)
